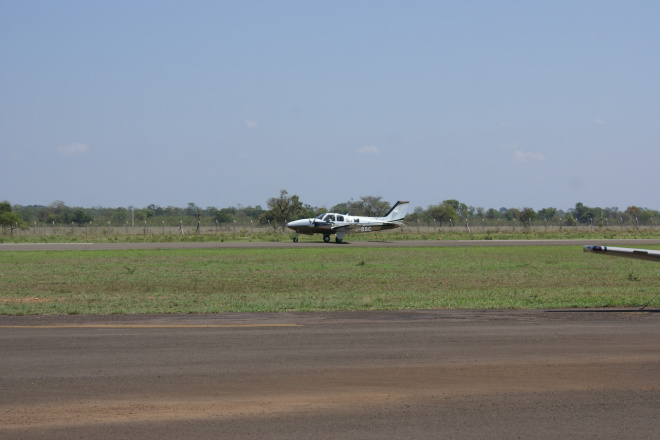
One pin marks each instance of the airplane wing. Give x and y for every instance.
(641, 254)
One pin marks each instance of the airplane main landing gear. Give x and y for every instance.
(338, 240)
(326, 238)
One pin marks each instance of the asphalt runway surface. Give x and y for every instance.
(320, 243)
(367, 375)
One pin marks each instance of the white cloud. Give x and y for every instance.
(73, 150)
(369, 149)
(527, 156)
(599, 121)
(250, 124)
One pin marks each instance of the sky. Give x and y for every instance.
(222, 103)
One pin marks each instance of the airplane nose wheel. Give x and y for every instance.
(326, 238)
(295, 239)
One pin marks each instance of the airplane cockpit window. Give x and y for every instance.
(340, 218)
(320, 216)
(330, 218)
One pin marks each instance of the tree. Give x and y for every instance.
(492, 214)
(648, 216)
(368, 206)
(224, 215)
(418, 215)
(546, 213)
(527, 215)
(283, 209)
(252, 213)
(141, 215)
(443, 212)
(8, 218)
(309, 211)
(570, 220)
(81, 216)
(510, 213)
(341, 208)
(612, 213)
(458, 207)
(584, 214)
(157, 210)
(120, 216)
(192, 210)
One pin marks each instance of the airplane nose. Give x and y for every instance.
(295, 223)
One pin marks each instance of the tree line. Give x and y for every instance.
(284, 208)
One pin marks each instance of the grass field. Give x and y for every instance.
(257, 234)
(333, 278)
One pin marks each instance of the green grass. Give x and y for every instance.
(332, 278)
(408, 233)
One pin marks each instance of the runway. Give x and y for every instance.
(368, 375)
(320, 243)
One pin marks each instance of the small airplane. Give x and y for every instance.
(641, 254)
(342, 224)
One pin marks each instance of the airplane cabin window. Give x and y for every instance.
(340, 218)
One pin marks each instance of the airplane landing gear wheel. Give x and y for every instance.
(338, 240)
(326, 238)
(295, 239)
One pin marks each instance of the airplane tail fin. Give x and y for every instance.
(397, 213)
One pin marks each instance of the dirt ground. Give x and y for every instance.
(415, 374)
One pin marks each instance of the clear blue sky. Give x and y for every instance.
(219, 103)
